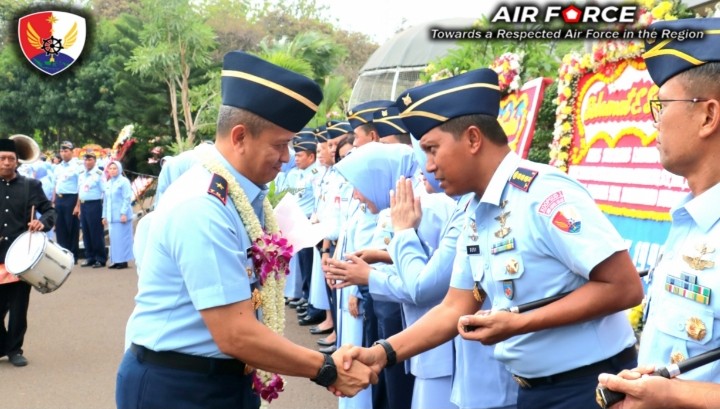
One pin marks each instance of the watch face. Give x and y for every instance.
(328, 373)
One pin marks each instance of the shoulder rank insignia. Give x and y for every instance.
(522, 178)
(218, 187)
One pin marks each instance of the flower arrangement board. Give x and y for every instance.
(518, 114)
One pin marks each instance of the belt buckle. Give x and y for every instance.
(522, 382)
(60, 195)
(82, 201)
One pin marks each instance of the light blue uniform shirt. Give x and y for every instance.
(559, 235)
(66, 177)
(92, 184)
(305, 187)
(694, 240)
(192, 266)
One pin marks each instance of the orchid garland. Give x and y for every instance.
(271, 255)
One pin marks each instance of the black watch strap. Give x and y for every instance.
(327, 375)
(390, 355)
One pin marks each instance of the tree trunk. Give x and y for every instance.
(185, 99)
(174, 112)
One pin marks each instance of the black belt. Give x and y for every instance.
(606, 365)
(90, 201)
(71, 195)
(193, 363)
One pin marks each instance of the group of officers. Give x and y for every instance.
(66, 195)
(431, 279)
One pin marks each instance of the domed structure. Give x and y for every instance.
(397, 64)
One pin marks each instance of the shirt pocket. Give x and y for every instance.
(680, 319)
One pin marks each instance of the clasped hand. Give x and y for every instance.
(351, 358)
(352, 377)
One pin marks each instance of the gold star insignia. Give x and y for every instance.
(407, 100)
(52, 19)
(219, 185)
(384, 113)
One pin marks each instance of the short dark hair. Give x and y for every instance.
(702, 79)
(487, 124)
(368, 127)
(229, 117)
(404, 138)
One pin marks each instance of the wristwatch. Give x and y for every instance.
(324, 251)
(327, 375)
(390, 355)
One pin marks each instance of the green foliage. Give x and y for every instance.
(273, 196)
(543, 136)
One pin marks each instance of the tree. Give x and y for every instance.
(175, 42)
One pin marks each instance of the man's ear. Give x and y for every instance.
(238, 135)
(711, 122)
(474, 138)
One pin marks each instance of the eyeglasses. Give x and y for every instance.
(656, 105)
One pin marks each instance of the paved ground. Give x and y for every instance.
(75, 343)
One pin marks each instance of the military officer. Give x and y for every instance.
(194, 332)
(67, 225)
(389, 126)
(683, 318)
(521, 238)
(89, 206)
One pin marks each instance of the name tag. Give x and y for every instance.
(474, 249)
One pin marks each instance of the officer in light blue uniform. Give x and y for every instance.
(194, 324)
(305, 188)
(67, 226)
(523, 229)
(91, 184)
(492, 387)
(683, 317)
(530, 232)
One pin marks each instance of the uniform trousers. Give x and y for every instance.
(305, 259)
(67, 226)
(93, 231)
(396, 390)
(141, 385)
(14, 299)
(331, 295)
(575, 393)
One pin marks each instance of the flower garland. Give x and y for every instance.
(508, 67)
(271, 255)
(603, 55)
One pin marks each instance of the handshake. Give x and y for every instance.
(357, 368)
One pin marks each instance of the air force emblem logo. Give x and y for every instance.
(51, 40)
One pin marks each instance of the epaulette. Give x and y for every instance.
(218, 187)
(522, 178)
(314, 171)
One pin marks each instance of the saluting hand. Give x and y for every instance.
(352, 377)
(492, 326)
(405, 210)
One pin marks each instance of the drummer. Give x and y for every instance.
(20, 195)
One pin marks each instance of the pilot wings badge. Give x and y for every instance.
(52, 40)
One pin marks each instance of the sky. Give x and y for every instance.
(380, 19)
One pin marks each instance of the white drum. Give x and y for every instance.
(39, 261)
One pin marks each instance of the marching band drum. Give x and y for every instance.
(39, 261)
